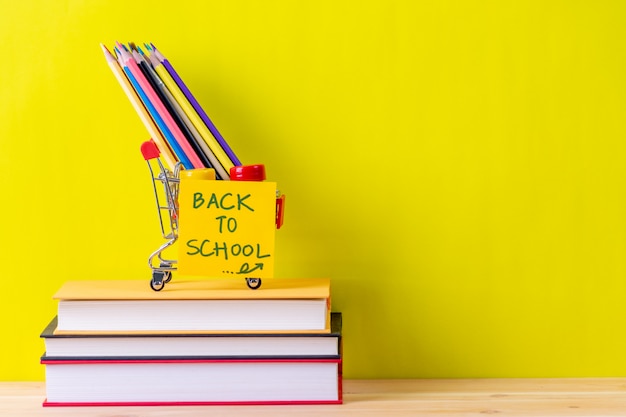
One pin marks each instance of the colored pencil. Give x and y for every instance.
(188, 110)
(158, 87)
(131, 66)
(156, 135)
(178, 151)
(220, 172)
(196, 105)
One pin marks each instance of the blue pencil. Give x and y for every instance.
(159, 121)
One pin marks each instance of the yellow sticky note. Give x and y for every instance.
(226, 228)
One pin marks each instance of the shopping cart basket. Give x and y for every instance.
(166, 186)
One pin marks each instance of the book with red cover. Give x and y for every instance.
(192, 382)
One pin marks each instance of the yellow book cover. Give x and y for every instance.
(213, 289)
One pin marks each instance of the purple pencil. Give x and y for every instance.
(196, 105)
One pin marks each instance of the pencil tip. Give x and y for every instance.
(120, 48)
(107, 54)
(157, 53)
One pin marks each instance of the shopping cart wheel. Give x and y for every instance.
(157, 286)
(253, 283)
(157, 282)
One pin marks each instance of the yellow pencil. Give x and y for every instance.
(140, 109)
(223, 174)
(191, 113)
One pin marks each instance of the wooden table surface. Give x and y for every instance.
(363, 398)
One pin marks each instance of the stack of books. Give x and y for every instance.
(198, 342)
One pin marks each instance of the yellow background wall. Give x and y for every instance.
(456, 167)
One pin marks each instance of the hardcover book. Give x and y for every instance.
(281, 305)
(192, 381)
(199, 345)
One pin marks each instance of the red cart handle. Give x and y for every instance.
(149, 150)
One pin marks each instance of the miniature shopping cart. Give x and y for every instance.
(166, 186)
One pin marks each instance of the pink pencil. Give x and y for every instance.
(129, 62)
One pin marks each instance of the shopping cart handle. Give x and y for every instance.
(149, 150)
